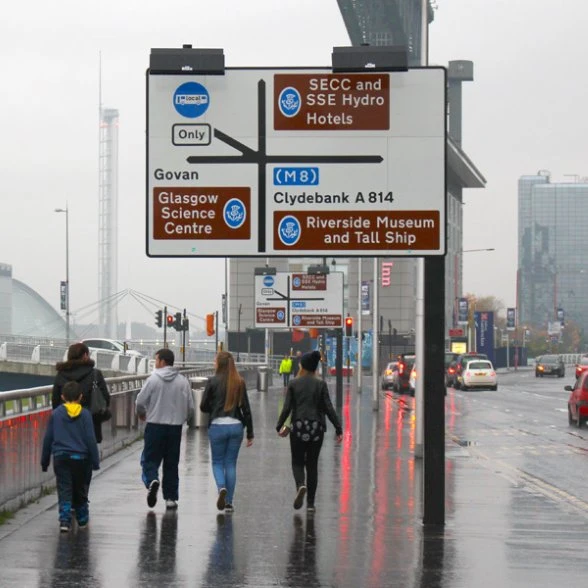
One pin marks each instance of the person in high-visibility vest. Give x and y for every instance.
(286, 368)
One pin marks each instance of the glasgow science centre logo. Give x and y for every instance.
(191, 100)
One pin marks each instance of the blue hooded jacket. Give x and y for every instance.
(70, 433)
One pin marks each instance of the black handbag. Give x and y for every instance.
(98, 405)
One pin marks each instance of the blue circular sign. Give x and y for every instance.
(234, 213)
(289, 230)
(296, 319)
(191, 99)
(289, 102)
(268, 281)
(297, 281)
(280, 315)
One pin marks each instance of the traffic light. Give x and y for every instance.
(177, 322)
(159, 318)
(348, 326)
(170, 321)
(210, 325)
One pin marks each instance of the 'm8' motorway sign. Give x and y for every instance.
(264, 162)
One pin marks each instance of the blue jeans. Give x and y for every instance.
(225, 442)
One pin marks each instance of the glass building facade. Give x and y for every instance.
(553, 243)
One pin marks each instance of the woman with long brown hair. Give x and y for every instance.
(225, 399)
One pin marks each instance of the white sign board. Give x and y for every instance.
(299, 300)
(287, 162)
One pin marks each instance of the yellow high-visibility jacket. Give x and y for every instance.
(286, 365)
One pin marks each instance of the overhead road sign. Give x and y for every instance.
(299, 300)
(296, 162)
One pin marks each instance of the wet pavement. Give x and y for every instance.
(367, 530)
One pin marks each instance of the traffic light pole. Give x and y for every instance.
(165, 327)
(184, 338)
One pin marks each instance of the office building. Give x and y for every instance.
(552, 271)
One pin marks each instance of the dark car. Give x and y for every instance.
(402, 373)
(550, 365)
(578, 401)
(455, 369)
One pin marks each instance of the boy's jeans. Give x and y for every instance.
(73, 483)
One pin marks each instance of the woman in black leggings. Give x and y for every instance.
(307, 398)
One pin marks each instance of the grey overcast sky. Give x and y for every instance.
(525, 111)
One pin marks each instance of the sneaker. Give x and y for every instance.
(299, 500)
(229, 508)
(310, 508)
(171, 504)
(220, 503)
(152, 493)
(64, 527)
(83, 523)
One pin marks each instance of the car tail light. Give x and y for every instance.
(467, 374)
(540, 368)
(451, 371)
(413, 374)
(492, 373)
(400, 368)
(388, 372)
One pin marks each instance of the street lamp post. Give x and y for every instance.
(67, 314)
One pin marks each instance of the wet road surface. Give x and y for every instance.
(501, 531)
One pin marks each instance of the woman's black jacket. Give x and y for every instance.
(308, 398)
(213, 402)
(82, 372)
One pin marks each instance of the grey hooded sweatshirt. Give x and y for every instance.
(166, 398)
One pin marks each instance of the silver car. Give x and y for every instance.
(389, 376)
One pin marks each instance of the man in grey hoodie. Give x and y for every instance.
(166, 403)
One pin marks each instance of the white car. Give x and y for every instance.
(479, 373)
(112, 346)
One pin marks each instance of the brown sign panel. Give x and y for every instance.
(317, 320)
(381, 231)
(332, 102)
(309, 282)
(270, 315)
(201, 213)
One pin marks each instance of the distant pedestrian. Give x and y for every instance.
(166, 403)
(286, 368)
(296, 363)
(225, 399)
(70, 439)
(308, 401)
(80, 368)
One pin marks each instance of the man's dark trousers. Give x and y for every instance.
(162, 443)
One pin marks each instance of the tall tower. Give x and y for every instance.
(108, 222)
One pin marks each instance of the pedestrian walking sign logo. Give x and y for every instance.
(191, 100)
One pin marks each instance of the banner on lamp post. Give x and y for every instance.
(560, 316)
(484, 321)
(511, 319)
(365, 298)
(462, 311)
(63, 295)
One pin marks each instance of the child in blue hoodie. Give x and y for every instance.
(71, 440)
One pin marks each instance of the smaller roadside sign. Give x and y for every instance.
(299, 300)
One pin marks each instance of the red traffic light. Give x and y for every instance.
(170, 320)
(348, 326)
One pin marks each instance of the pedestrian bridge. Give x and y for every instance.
(367, 531)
